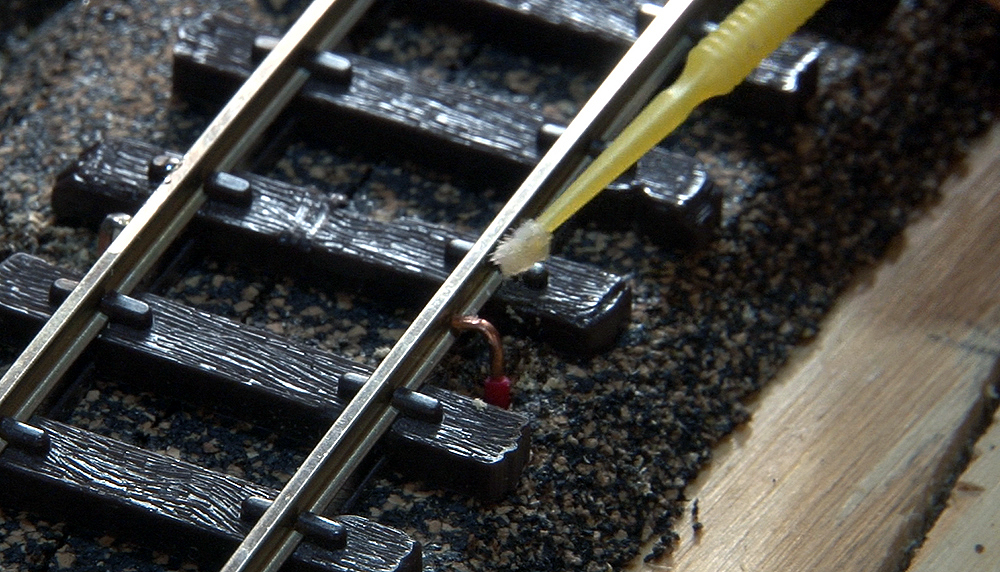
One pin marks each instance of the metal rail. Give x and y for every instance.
(77, 320)
(468, 287)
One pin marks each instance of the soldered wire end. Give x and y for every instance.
(497, 386)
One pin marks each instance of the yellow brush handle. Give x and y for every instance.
(719, 62)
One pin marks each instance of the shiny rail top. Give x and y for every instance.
(327, 468)
(78, 320)
(168, 210)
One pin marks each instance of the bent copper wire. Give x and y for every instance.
(489, 331)
(496, 387)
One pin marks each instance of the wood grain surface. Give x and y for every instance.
(967, 536)
(155, 495)
(615, 439)
(481, 450)
(301, 231)
(839, 466)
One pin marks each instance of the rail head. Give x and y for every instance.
(229, 136)
(468, 287)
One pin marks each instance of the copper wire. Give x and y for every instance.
(465, 323)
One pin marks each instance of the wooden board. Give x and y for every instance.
(838, 466)
(967, 536)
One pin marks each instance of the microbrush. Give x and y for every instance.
(719, 62)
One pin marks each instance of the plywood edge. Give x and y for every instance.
(967, 535)
(838, 466)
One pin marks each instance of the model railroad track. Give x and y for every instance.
(203, 197)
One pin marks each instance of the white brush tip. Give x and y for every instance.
(520, 250)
